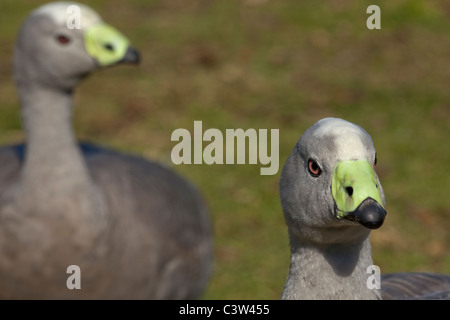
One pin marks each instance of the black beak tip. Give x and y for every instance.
(131, 56)
(372, 222)
(370, 214)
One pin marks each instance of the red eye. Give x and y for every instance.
(62, 39)
(314, 168)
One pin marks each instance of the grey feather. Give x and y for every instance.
(415, 285)
(136, 229)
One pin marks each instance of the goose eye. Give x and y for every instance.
(62, 39)
(375, 161)
(314, 168)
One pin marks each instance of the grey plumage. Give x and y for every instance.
(330, 250)
(415, 285)
(136, 229)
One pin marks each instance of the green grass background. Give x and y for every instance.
(276, 65)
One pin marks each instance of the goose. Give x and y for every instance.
(331, 199)
(134, 228)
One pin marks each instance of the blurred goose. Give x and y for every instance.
(331, 199)
(135, 229)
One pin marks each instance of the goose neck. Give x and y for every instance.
(52, 157)
(332, 271)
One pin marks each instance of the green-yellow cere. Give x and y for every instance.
(105, 43)
(360, 176)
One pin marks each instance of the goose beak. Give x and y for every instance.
(369, 213)
(131, 56)
(108, 46)
(355, 190)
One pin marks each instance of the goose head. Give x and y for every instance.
(61, 42)
(330, 192)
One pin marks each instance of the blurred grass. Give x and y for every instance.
(283, 65)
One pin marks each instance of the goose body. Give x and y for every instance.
(136, 229)
(332, 199)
